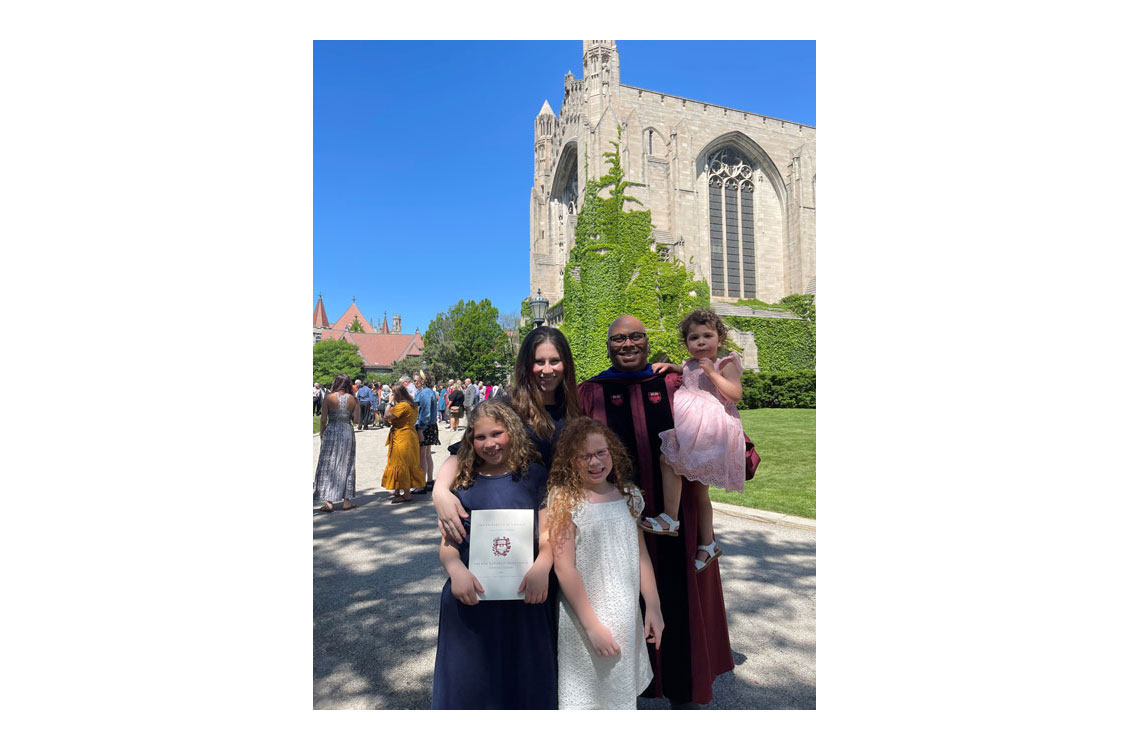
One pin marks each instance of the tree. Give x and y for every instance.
(333, 356)
(614, 271)
(468, 342)
(512, 321)
(355, 326)
(527, 314)
(408, 366)
(439, 348)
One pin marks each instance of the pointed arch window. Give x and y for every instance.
(565, 182)
(732, 248)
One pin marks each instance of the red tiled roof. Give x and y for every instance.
(320, 319)
(383, 349)
(346, 319)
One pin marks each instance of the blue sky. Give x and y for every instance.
(423, 155)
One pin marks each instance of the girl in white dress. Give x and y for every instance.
(602, 566)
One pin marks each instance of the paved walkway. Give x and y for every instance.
(377, 580)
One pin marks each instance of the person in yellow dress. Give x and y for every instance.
(402, 472)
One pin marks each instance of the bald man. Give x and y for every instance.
(635, 402)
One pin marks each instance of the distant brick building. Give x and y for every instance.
(379, 347)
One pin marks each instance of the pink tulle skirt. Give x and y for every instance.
(707, 444)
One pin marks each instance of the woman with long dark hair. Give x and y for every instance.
(336, 476)
(544, 395)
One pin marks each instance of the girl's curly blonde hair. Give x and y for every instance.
(522, 450)
(566, 484)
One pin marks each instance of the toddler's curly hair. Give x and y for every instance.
(566, 484)
(703, 317)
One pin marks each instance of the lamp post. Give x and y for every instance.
(538, 307)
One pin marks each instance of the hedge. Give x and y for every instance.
(793, 389)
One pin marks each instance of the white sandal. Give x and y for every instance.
(651, 525)
(712, 553)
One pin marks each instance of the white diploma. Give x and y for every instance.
(501, 551)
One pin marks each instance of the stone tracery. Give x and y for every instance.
(731, 230)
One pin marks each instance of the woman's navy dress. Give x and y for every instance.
(497, 654)
(545, 447)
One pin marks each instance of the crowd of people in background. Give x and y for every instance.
(374, 398)
(433, 406)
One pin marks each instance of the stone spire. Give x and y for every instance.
(601, 78)
(544, 127)
(601, 63)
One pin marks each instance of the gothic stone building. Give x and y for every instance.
(731, 193)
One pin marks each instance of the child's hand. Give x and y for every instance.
(653, 626)
(707, 364)
(602, 641)
(464, 586)
(659, 368)
(536, 584)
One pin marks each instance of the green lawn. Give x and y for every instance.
(786, 477)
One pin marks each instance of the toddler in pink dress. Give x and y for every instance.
(707, 444)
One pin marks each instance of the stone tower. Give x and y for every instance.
(731, 193)
(601, 75)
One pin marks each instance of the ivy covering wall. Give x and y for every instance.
(613, 271)
(782, 344)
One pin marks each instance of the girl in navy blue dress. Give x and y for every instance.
(496, 654)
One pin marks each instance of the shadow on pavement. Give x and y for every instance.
(377, 580)
(769, 584)
(376, 604)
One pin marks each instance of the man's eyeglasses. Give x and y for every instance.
(635, 336)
